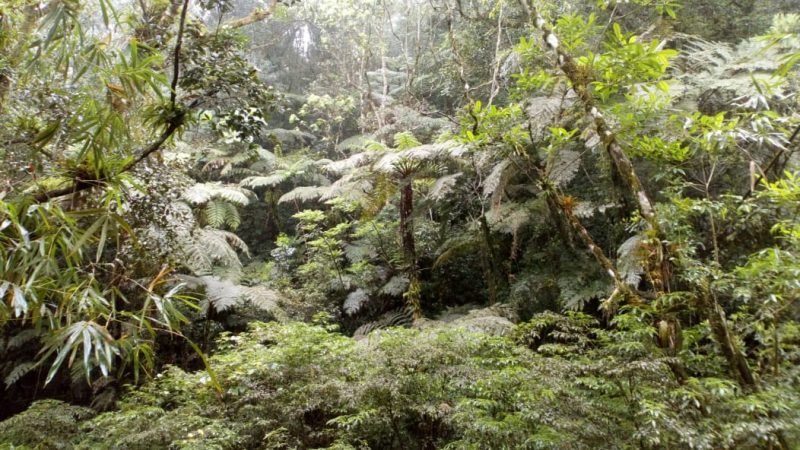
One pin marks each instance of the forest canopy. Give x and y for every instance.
(399, 224)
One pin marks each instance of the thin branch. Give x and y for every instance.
(79, 185)
(176, 60)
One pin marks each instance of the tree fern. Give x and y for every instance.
(394, 161)
(351, 187)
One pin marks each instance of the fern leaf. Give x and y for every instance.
(233, 194)
(18, 372)
(198, 194)
(262, 298)
(443, 186)
(265, 181)
(631, 260)
(21, 338)
(209, 247)
(396, 286)
(232, 218)
(214, 213)
(356, 160)
(495, 183)
(542, 112)
(355, 301)
(202, 193)
(349, 188)
(563, 166)
(303, 194)
(405, 140)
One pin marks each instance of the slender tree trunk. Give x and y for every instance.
(409, 246)
(495, 278)
(725, 339)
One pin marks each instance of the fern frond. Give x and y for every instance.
(494, 180)
(396, 286)
(631, 260)
(585, 210)
(208, 247)
(542, 112)
(512, 216)
(443, 186)
(355, 301)
(349, 187)
(453, 247)
(429, 152)
(262, 298)
(343, 165)
(233, 194)
(198, 194)
(355, 142)
(18, 372)
(223, 294)
(303, 194)
(405, 140)
(232, 218)
(563, 166)
(21, 338)
(201, 193)
(265, 181)
(214, 213)
(699, 55)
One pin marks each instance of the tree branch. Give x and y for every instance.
(79, 185)
(256, 16)
(176, 67)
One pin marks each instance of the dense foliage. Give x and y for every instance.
(400, 224)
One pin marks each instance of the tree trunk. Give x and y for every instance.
(725, 339)
(409, 246)
(495, 279)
